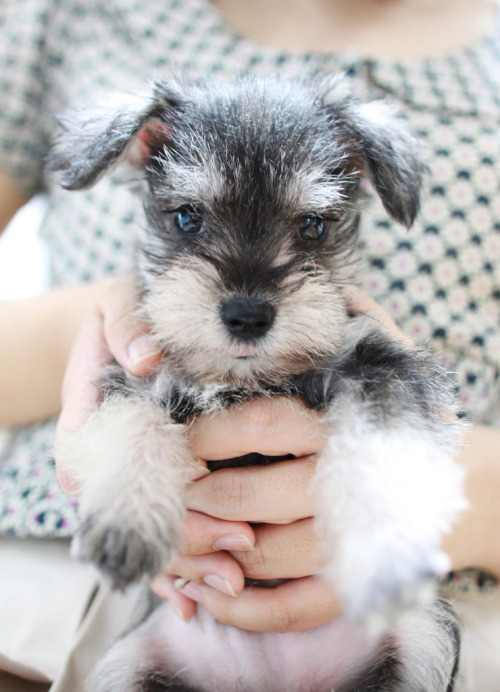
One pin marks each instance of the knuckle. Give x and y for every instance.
(259, 414)
(231, 492)
(119, 324)
(175, 566)
(119, 306)
(255, 563)
(281, 618)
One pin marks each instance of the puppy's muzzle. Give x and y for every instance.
(247, 318)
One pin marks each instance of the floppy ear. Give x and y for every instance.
(93, 141)
(393, 156)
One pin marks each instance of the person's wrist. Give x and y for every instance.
(78, 304)
(110, 300)
(473, 541)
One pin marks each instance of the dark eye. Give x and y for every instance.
(189, 221)
(312, 228)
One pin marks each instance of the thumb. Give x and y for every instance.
(88, 357)
(126, 332)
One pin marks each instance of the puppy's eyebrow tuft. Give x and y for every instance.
(313, 190)
(182, 180)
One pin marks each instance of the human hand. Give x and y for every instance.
(281, 543)
(285, 545)
(113, 329)
(221, 548)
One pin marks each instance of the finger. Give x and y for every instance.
(299, 604)
(204, 534)
(359, 301)
(289, 551)
(272, 426)
(88, 357)
(164, 586)
(218, 570)
(277, 493)
(126, 332)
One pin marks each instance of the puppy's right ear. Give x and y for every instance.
(94, 141)
(393, 156)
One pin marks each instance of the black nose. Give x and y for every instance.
(247, 318)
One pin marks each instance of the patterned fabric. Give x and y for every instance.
(440, 282)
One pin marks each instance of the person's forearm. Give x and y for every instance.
(36, 338)
(11, 200)
(475, 540)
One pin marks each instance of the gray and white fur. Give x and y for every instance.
(252, 198)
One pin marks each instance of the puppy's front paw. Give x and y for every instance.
(385, 499)
(385, 581)
(131, 463)
(124, 552)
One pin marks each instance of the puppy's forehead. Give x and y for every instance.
(258, 142)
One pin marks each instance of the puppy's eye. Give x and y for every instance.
(312, 228)
(189, 221)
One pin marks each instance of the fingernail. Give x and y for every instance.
(197, 471)
(189, 589)
(220, 583)
(236, 541)
(141, 349)
(181, 614)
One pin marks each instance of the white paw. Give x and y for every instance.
(123, 549)
(385, 499)
(131, 463)
(385, 582)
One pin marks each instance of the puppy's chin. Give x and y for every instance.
(241, 365)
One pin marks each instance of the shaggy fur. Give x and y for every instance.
(252, 197)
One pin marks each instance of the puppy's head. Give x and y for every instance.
(250, 192)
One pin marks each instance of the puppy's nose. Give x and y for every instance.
(247, 318)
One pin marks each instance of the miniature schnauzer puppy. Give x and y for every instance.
(252, 196)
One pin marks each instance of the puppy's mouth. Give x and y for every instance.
(242, 350)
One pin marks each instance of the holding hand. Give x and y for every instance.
(112, 330)
(254, 522)
(281, 543)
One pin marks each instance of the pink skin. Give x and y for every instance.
(241, 351)
(254, 522)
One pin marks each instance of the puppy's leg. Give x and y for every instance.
(387, 486)
(421, 654)
(138, 661)
(158, 683)
(429, 640)
(386, 497)
(131, 463)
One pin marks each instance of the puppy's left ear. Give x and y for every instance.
(393, 156)
(125, 128)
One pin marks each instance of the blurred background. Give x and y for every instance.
(24, 264)
(24, 267)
